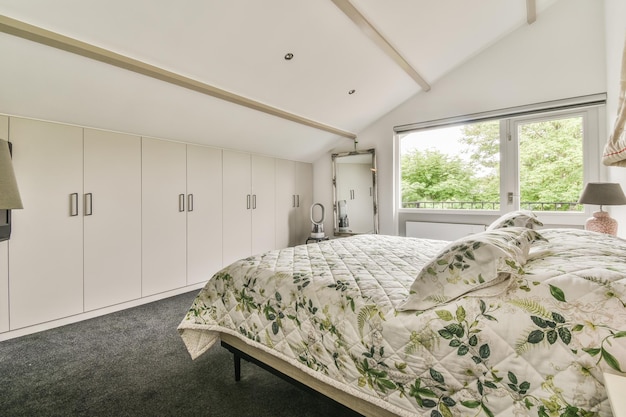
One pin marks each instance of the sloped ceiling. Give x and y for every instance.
(239, 46)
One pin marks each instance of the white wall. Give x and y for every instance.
(559, 56)
(615, 38)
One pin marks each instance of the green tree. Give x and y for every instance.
(550, 166)
(482, 143)
(435, 176)
(551, 160)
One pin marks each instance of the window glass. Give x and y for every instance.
(459, 167)
(452, 167)
(551, 164)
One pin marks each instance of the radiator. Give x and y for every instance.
(441, 231)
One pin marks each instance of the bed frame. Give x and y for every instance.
(352, 406)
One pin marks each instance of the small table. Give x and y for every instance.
(615, 389)
(316, 239)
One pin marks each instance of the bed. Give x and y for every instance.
(512, 321)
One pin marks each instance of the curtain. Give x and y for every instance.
(615, 149)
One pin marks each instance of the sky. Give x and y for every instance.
(441, 139)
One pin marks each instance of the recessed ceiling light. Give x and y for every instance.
(288, 56)
(351, 92)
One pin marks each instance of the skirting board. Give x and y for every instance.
(97, 313)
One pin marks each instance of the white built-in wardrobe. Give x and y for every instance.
(113, 220)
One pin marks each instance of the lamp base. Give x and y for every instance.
(601, 222)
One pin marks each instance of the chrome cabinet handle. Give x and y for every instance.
(293, 200)
(181, 202)
(253, 201)
(298, 199)
(88, 204)
(73, 204)
(189, 202)
(248, 202)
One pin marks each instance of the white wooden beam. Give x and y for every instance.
(349, 10)
(55, 40)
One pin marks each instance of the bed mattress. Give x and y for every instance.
(331, 309)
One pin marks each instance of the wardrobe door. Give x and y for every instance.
(263, 204)
(237, 206)
(4, 251)
(204, 213)
(304, 200)
(112, 218)
(46, 246)
(164, 219)
(4, 286)
(285, 202)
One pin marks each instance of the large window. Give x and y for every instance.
(550, 163)
(451, 167)
(534, 160)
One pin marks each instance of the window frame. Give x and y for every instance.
(591, 108)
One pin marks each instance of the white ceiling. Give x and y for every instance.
(238, 46)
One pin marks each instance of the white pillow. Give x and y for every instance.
(519, 218)
(469, 264)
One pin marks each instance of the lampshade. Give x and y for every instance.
(9, 194)
(603, 194)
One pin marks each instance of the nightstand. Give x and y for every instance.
(316, 239)
(615, 388)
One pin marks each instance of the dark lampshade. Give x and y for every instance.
(9, 194)
(602, 194)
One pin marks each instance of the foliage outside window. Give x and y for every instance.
(551, 164)
(459, 166)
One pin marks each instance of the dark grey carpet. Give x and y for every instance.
(133, 363)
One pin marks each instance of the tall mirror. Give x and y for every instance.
(355, 204)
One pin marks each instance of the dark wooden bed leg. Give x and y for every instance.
(238, 355)
(237, 360)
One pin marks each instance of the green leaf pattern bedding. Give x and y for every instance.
(537, 348)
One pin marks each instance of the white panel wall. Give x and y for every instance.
(561, 55)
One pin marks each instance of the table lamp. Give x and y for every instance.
(602, 194)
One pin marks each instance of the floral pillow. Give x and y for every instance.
(471, 264)
(519, 218)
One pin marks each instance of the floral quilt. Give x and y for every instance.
(538, 347)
